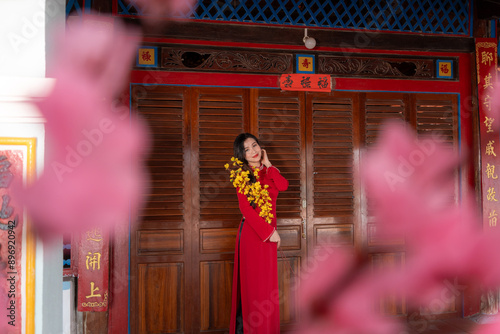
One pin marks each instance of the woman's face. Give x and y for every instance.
(252, 152)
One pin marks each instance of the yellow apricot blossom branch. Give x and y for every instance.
(255, 193)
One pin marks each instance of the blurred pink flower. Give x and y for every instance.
(490, 328)
(410, 184)
(93, 174)
(339, 292)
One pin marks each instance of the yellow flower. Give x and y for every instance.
(254, 192)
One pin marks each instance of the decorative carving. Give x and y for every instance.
(226, 60)
(376, 67)
(206, 59)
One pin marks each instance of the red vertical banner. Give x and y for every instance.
(93, 271)
(486, 63)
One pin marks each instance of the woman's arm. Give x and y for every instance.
(278, 179)
(258, 224)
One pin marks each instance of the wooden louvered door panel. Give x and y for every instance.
(218, 116)
(280, 128)
(436, 117)
(160, 250)
(332, 191)
(427, 114)
(377, 109)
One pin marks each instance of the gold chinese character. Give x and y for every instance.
(94, 235)
(486, 57)
(487, 81)
(491, 195)
(489, 122)
(93, 260)
(487, 102)
(92, 290)
(489, 148)
(493, 218)
(490, 171)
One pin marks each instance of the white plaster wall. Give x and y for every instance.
(24, 28)
(26, 36)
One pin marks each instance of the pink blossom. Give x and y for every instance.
(490, 328)
(410, 183)
(93, 174)
(338, 292)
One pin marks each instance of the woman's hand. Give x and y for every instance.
(275, 237)
(265, 159)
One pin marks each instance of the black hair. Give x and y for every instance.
(239, 152)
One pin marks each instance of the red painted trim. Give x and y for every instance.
(204, 79)
(119, 282)
(114, 8)
(272, 81)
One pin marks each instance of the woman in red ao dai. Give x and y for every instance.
(255, 298)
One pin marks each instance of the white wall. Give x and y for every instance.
(24, 28)
(25, 41)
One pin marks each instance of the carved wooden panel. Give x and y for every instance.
(160, 242)
(161, 297)
(216, 279)
(220, 60)
(217, 240)
(341, 65)
(262, 61)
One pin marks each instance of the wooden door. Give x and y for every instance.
(217, 117)
(182, 251)
(161, 246)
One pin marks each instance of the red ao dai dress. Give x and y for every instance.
(255, 279)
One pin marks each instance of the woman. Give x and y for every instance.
(255, 299)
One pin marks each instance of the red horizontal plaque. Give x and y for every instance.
(306, 82)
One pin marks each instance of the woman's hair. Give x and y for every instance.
(239, 148)
(239, 152)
